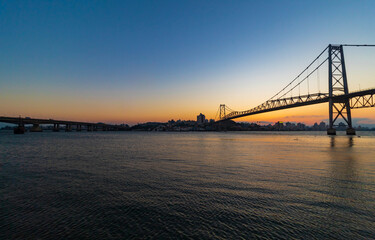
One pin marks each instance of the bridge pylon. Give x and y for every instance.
(338, 84)
(222, 112)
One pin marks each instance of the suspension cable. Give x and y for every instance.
(318, 78)
(304, 78)
(308, 83)
(217, 113)
(229, 109)
(299, 74)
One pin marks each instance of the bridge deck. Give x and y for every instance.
(17, 120)
(305, 100)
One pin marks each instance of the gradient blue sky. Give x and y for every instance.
(136, 61)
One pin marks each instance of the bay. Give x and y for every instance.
(193, 185)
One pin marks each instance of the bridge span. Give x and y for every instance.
(69, 125)
(359, 99)
(340, 100)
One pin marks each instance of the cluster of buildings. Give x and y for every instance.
(278, 126)
(171, 125)
(201, 119)
(203, 124)
(288, 126)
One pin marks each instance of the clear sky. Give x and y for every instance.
(138, 61)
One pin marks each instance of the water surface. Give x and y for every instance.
(152, 185)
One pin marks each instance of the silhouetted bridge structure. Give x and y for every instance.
(57, 124)
(340, 100)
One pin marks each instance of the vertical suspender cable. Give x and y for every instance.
(308, 83)
(318, 78)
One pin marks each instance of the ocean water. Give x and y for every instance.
(194, 185)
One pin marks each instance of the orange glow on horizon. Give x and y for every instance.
(120, 113)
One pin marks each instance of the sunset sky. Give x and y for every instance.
(139, 61)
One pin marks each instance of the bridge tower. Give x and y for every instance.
(338, 85)
(222, 111)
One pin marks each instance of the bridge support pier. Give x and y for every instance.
(36, 128)
(89, 128)
(68, 128)
(20, 129)
(79, 128)
(331, 131)
(56, 127)
(350, 131)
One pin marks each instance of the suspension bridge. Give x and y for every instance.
(340, 100)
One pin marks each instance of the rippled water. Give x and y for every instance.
(123, 185)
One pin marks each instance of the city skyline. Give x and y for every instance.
(136, 62)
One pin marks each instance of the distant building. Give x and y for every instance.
(322, 126)
(278, 125)
(201, 119)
